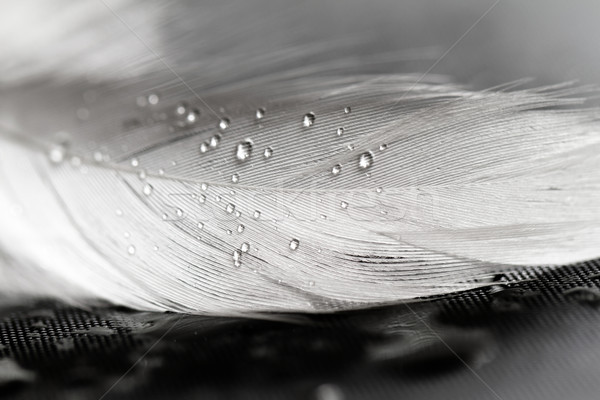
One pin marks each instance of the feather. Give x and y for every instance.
(308, 188)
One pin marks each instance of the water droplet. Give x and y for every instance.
(165, 217)
(328, 391)
(337, 168)
(56, 153)
(240, 228)
(347, 110)
(365, 160)
(228, 231)
(238, 214)
(311, 283)
(161, 171)
(218, 198)
(200, 225)
(147, 189)
(294, 243)
(204, 186)
(201, 198)
(235, 178)
(340, 131)
(256, 214)
(119, 212)
(230, 208)
(309, 119)
(244, 150)
(127, 235)
(192, 116)
(383, 147)
(131, 250)
(344, 205)
(153, 99)
(214, 141)
(245, 247)
(237, 258)
(203, 147)
(135, 162)
(350, 147)
(181, 109)
(142, 174)
(260, 113)
(155, 248)
(379, 190)
(268, 152)
(179, 212)
(224, 123)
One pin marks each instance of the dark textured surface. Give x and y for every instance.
(536, 339)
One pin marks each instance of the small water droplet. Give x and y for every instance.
(308, 119)
(268, 152)
(294, 243)
(161, 171)
(366, 160)
(179, 212)
(235, 178)
(340, 131)
(127, 235)
(214, 141)
(155, 248)
(347, 110)
(229, 231)
(218, 198)
(260, 113)
(240, 228)
(153, 99)
(344, 205)
(311, 283)
(131, 250)
(256, 214)
(192, 116)
(244, 150)
(230, 208)
(350, 147)
(224, 123)
(379, 190)
(337, 168)
(204, 186)
(238, 214)
(201, 198)
(165, 217)
(147, 189)
(200, 225)
(245, 247)
(57, 153)
(237, 258)
(142, 174)
(181, 109)
(383, 147)
(119, 212)
(135, 162)
(203, 147)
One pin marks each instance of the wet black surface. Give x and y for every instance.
(537, 339)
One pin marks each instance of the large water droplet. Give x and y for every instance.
(309, 119)
(135, 162)
(230, 208)
(214, 141)
(337, 168)
(240, 228)
(244, 150)
(365, 160)
(192, 116)
(245, 247)
(294, 243)
(181, 109)
(57, 153)
(260, 113)
(153, 99)
(147, 190)
(224, 123)
(268, 152)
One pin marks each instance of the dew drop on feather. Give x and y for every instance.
(309, 119)
(294, 244)
(366, 160)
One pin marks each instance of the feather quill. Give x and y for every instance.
(307, 188)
